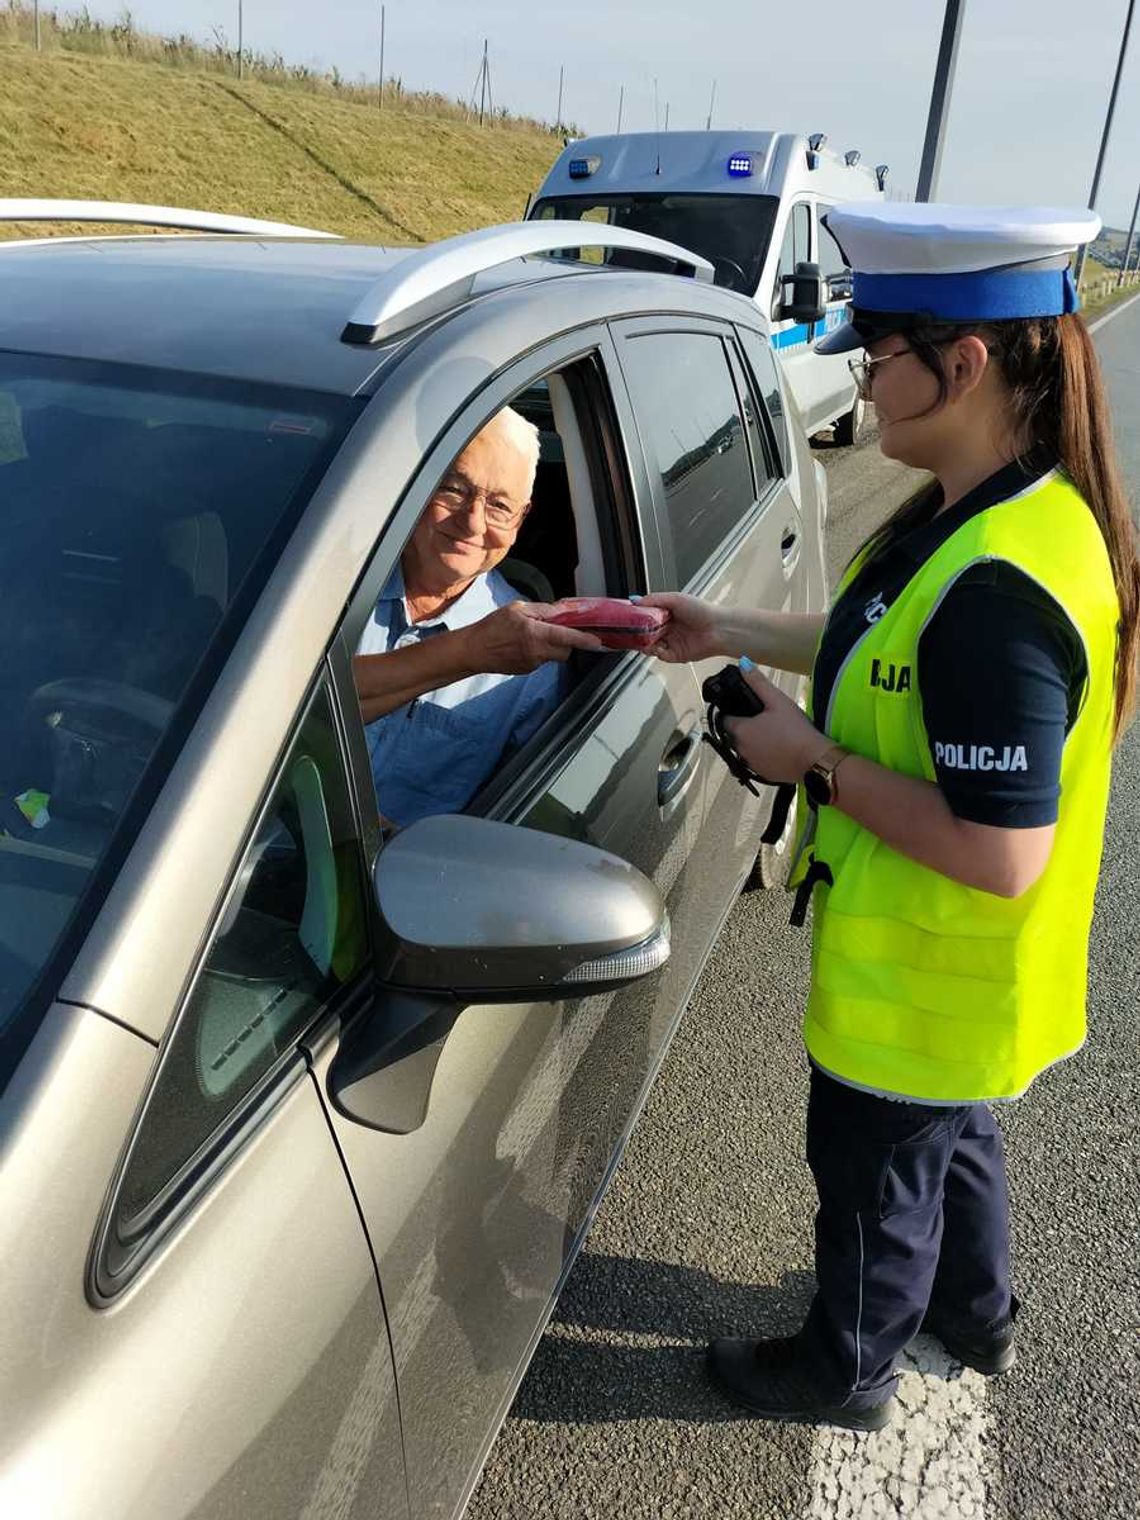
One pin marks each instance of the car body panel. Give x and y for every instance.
(293, 1391)
(251, 1358)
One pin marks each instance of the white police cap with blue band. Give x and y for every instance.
(932, 263)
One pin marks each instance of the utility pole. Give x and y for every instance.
(943, 83)
(621, 102)
(1128, 244)
(483, 83)
(241, 48)
(558, 118)
(666, 116)
(1083, 255)
(383, 8)
(37, 11)
(712, 102)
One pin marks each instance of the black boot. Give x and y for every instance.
(985, 1350)
(770, 1379)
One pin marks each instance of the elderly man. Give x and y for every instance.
(453, 669)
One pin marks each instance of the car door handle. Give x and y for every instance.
(788, 544)
(678, 766)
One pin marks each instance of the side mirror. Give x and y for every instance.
(839, 286)
(807, 300)
(476, 911)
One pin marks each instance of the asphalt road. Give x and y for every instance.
(707, 1229)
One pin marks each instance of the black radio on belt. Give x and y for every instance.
(729, 695)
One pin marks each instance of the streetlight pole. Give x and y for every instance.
(37, 11)
(241, 51)
(383, 8)
(1128, 244)
(943, 83)
(1104, 136)
(561, 74)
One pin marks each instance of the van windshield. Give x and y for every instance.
(731, 231)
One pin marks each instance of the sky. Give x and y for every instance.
(1028, 107)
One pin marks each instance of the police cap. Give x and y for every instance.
(927, 263)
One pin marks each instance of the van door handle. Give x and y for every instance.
(677, 766)
(788, 544)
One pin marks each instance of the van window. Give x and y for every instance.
(795, 249)
(731, 231)
(690, 421)
(833, 266)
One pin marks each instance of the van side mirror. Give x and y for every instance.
(806, 300)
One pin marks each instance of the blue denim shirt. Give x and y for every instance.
(432, 755)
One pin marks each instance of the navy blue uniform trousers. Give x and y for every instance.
(913, 1214)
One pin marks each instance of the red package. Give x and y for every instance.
(619, 624)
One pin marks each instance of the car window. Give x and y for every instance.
(832, 265)
(765, 466)
(690, 421)
(140, 512)
(520, 513)
(292, 934)
(795, 249)
(762, 364)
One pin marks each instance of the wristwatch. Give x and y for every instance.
(819, 778)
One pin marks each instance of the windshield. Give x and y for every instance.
(136, 509)
(731, 231)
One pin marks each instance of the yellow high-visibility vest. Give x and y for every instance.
(921, 986)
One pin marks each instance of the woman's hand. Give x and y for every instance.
(780, 743)
(692, 632)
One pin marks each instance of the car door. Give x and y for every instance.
(230, 1356)
(732, 530)
(475, 1212)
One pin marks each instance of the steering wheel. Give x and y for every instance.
(720, 262)
(93, 739)
(95, 699)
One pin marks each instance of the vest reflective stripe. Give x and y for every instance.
(922, 986)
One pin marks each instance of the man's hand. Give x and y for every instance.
(514, 640)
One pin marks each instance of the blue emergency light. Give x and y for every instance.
(582, 168)
(740, 165)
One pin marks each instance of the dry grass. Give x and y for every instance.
(124, 129)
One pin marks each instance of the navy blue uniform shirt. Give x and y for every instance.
(1001, 668)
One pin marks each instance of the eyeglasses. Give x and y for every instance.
(456, 495)
(863, 370)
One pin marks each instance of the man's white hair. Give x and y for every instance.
(522, 434)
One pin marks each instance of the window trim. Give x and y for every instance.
(635, 557)
(725, 332)
(115, 1258)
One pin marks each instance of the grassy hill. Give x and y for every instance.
(127, 129)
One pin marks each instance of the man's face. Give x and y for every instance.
(473, 518)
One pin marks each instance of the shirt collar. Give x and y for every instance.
(1012, 478)
(475, 603)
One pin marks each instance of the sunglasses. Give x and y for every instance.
(863, 370)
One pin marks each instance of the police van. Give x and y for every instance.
(751, 203)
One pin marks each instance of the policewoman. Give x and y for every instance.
(968, 685)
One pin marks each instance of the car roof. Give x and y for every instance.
(248, 308)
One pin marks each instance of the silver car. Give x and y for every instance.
(301, 1130)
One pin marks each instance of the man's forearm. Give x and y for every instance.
(784, 640)
(387, 681)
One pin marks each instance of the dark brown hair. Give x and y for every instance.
(1058, 406)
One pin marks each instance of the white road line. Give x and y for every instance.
(1115, 312)
(928, 1464)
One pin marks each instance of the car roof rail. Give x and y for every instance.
(432, 280)
(15, 209)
